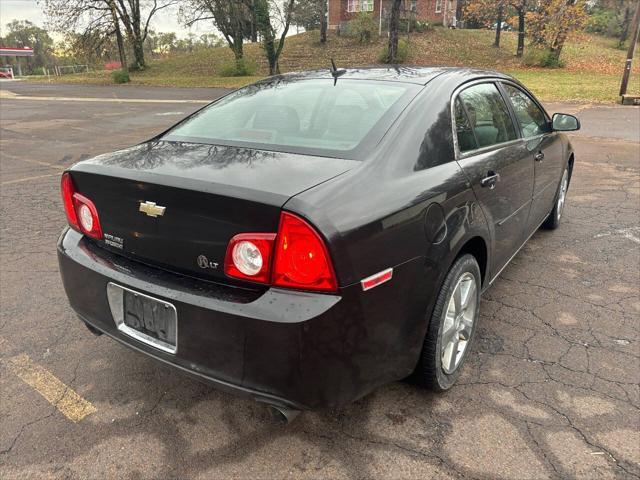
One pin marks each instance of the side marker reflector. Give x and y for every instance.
(376, 279)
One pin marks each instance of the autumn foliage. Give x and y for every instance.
(552, 21)
(547, 23)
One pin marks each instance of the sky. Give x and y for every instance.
(163, 21)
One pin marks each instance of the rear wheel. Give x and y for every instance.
(553, 220)
(452, 326)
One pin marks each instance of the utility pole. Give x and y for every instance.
(633, 41)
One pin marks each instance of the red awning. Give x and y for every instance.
(16, 52)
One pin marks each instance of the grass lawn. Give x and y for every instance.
(592, 71)
(149, 77)
(560, 85)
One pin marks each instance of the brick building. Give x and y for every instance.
(434, 11)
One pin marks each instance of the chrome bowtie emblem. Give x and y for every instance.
(151, 209)
(203, 262)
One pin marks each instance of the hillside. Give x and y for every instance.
(591, 73)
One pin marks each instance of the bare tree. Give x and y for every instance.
(231, 18)
(490, 12)
(135, 16)
(94, 19)
(119, 40)
(264, 11)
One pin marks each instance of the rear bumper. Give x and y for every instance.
(296, 349)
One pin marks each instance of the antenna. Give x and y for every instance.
(335, 73)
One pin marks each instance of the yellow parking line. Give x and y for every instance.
(68, 402)
(26, 179)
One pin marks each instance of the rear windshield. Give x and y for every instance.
(303, 116)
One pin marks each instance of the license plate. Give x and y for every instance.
(147, 319)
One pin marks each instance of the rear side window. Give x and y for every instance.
(532, 119)
(487, 115)
(466, 138)
(300, 116)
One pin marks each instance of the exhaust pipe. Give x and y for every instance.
(283, 415)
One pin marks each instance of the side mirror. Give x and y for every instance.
(563, 122)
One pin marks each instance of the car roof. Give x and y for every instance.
(401, 73)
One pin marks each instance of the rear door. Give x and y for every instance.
(545, 147)
(498, 165)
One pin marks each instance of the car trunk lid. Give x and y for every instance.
(209, 194)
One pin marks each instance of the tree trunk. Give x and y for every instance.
(496, 43)
(121, 50)
(238, 54)
(323, 21)
(521, 17)
(119, 40)
(263, 21)
(254, 28)
(624, 32)
(556, 47)
(394, 24)
(138, 53)
(272, 59)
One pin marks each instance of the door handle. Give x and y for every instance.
(490, 180)
(538, 157)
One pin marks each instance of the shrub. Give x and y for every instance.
(421, 27)
(240, 68)
(112, 66)
(401, 54)
(541, 57)
(363, 27)
(38, 71)
(120, 76)
(414, 26)
(604, 22)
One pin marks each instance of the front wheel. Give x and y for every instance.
(452, 326)
(553, 220)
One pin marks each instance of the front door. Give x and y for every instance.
(546, 150)
(498, 165)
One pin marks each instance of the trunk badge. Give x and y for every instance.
(151, 209)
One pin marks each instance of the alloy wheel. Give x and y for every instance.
(562, 194)
(458, 323)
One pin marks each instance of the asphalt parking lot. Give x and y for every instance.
(551, 389)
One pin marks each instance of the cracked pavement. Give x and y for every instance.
(550, 390)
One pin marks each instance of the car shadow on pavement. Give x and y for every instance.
(484, 427)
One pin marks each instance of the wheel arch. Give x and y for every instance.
(572, 158)
(477, 247)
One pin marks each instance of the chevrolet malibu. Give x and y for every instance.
(313, 236)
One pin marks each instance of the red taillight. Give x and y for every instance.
(82, 214)
(294, 258)
(249, 256)
(87, 216)
(68, 189)
(301, 258)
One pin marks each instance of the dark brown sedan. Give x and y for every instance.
(311, 237)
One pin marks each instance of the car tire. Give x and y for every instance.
(435, 369)
(553, 220)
